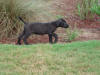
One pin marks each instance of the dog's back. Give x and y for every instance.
(41, 28)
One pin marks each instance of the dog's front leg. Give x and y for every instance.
(50, 38)
(56, 37)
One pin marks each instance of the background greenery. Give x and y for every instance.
(85, 9)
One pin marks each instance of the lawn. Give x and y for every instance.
(77, 58)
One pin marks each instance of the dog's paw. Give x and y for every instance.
(18, 43)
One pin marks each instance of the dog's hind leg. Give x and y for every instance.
(20, 37)
(25, 38)
(56, 37)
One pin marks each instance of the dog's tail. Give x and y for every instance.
(22, 20)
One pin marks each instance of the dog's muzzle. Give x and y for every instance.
(66, 26)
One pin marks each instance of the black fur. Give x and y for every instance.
(41, 29)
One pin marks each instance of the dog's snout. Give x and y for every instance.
(66, 25)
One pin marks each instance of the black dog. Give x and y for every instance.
(41, 29)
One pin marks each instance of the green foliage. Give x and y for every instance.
(72, 33)
(96, 9)
(84, 9)
(59, 16)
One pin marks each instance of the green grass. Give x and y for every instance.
(78, 58)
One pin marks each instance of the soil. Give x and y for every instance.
(88, 29)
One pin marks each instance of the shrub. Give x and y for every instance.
(96, 9)
(9, 12)
(84, 9)
(72, 33)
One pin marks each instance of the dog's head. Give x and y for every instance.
(62, 23)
